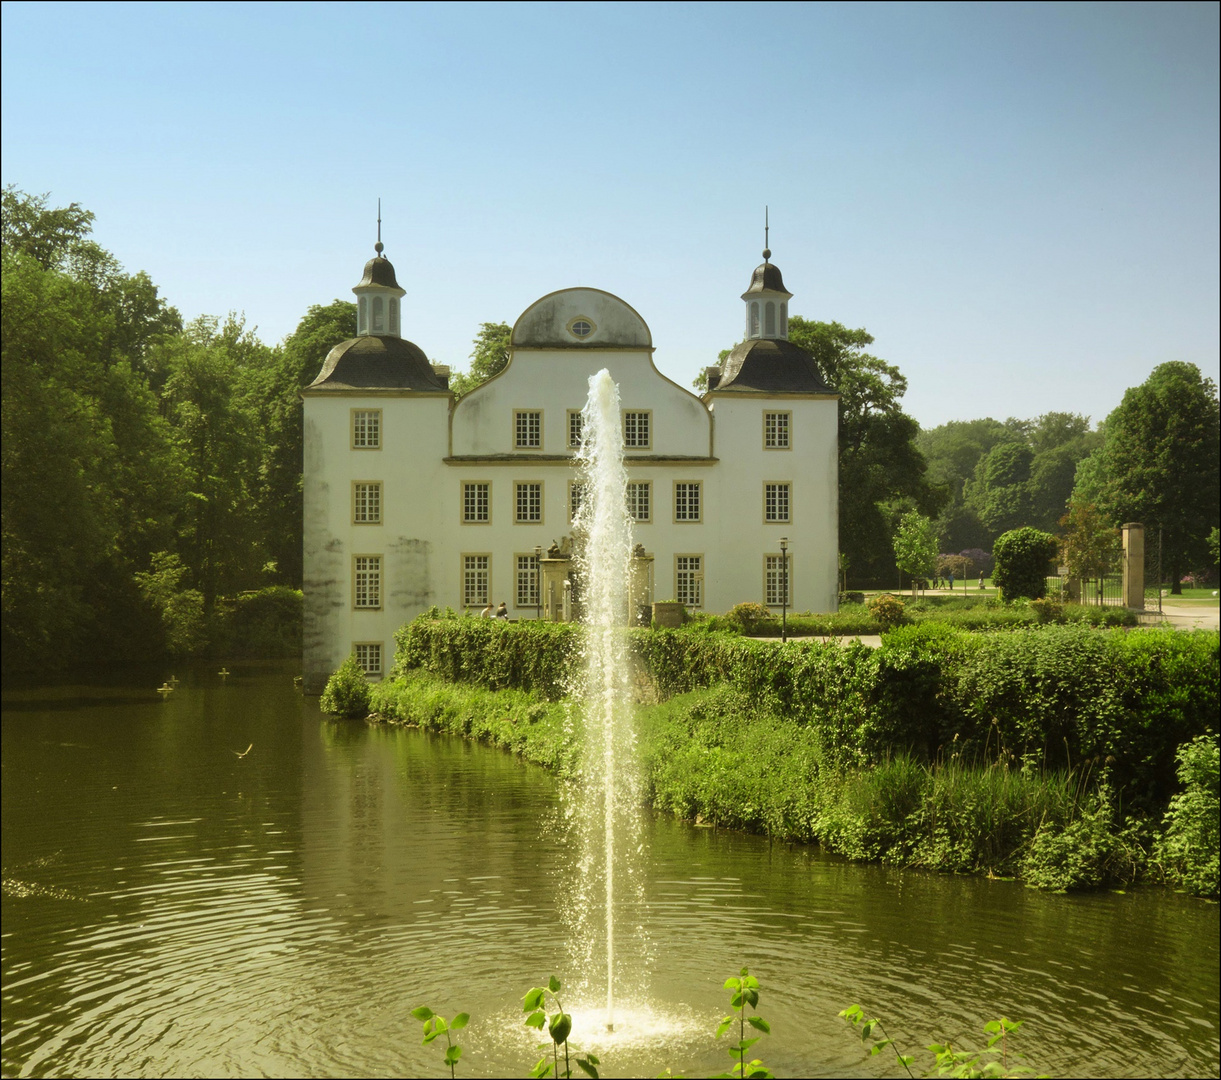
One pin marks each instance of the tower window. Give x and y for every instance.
(394, 315)
(362, 315)
(784, 318)
(754, 318)
(379, 314)
(770, 319)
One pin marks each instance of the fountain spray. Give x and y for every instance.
(604, 562)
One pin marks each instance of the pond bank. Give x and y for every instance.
(715, 757)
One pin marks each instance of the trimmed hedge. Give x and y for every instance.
(1044, 697)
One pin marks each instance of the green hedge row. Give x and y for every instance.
(1046, 697)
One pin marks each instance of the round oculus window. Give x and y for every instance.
(581, 327)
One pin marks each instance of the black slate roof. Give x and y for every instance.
(770, 366)
(377, 363)
(766, 278)
(378, 271)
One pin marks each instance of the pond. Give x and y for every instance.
(173, 907)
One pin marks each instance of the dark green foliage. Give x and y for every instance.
(1188, 849)
(347, 692)
(1023, 560)
(1091, 849)
(265, 623)
(888, 611)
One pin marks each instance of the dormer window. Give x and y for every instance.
(581, 327)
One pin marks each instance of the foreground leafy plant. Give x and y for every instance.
(988, 1062)
(436, 1025)
(559, 1027)
(744, 994)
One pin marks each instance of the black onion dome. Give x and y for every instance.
(766, 278)
(771, 366)
(379, 271)
(377, 363)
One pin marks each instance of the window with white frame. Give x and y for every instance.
(776, 430)
(776, 502)
(527, 581)
(576, 494)
(637, 430)
(476, 503)
(574, 429)
(689, 580)
(366, 429)
(529, 502)
(476, 577)
(639, 500)
(687, 501)
(369, 656)
(366, 503)
(528, 429)
(367, 581)
(776, 581)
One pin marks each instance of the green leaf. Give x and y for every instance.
(751, 981)
(724, 1026)
(752, 996)
(560, 1027)
(536, 1019)
(553, 984)
(992, 1025)
(460, 1021)
(592, 1059)
(587, 1067)
(541, 1067)
(745, 973)
(452, 1054)
(852, 1013)
(993, 1068)
(533, 999)
(423, 1012)
(440, 1022)
(430, 1036)
(867, 1029)
(759, 1024)
(736, 1001)
(905, 1060)
(936, 1048)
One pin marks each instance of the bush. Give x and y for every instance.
(347, 691)
(851, 598)
(749, 616)
(1189, 850)
(1022, 557)
(1088, 852)
(265, 624)
(888, 610)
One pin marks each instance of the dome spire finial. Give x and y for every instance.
(767, 254)
(379, 247)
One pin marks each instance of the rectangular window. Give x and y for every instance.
(367, 581)
(775, 580)
(776, 502)
(574, 429)
(366, 503)
(689, 580)
(576, 493)
(476, 583)
(687, 501)
(476, 503)
(528, 429)
(776, 430)
(527, 581)
(529, 502)
(369, 656)
(637, 430)
(639, 500)
(366, 429)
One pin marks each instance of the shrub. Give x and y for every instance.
(1188, 849)
(1047, 610)
(748, 616)
(347, 691)
(852, 598)
(1089, 851)
(888, 610)
(1022, 557)
(264, 624)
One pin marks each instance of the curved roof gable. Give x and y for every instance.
(549, 322)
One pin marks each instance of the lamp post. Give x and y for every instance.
(784, 590)
(538, 580)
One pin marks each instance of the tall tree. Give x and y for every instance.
(488, 357)
(1162, 463)
(915, 544)
(880, 467)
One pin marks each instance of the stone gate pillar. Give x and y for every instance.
(640, 585)
(1134, 566)
(555, 577)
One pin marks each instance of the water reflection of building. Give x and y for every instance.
(414, 499)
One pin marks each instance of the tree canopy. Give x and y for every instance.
(488, 358)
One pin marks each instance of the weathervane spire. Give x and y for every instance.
(767, 254)
(379, 247)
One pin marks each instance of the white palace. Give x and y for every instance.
(414, 499)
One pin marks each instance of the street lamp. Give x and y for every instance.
(538, 580)
(784, 590)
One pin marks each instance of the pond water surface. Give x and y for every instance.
(172, 908)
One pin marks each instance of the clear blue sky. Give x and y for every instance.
(1020, 202)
